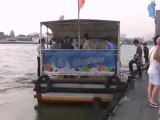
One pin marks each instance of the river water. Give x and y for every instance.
(18, 67)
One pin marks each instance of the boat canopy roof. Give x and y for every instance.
(95, 28)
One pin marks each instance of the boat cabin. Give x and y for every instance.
(79, 62)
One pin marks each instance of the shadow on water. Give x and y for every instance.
(70, 111)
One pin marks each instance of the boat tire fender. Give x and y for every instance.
(113, 80)
(46, 80)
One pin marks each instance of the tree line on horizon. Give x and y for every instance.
(4, 36)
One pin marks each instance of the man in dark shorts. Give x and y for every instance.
(137, 59)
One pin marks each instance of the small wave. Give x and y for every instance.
(6, 66)
(7, 72)
(5, 88)
(25, 81)
(17, 82)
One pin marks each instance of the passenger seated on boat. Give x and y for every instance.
(71, 39)
(60, 43)
(137, 59)
(109, 44)
(40, 46)
(54, 44)
(86, 43)
(67, 43)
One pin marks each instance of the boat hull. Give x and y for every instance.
(72, 90)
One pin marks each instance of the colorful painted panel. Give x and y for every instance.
(78, 62)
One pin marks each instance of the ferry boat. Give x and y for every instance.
(82, 75)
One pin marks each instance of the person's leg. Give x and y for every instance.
(139, 69)
(150, 88)
(131, 66)
(155, 80)
(146, 59)
(154, 93)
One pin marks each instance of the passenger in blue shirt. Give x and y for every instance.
(109, 44)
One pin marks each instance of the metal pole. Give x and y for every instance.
(118, 52)
(79, 33)
(40, 50)
(47, 37)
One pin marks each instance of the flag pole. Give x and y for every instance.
(79, 34)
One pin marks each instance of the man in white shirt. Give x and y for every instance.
(87, 43)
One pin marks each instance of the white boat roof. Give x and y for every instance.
(95, 28)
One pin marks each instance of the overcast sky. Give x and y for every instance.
(24, 16)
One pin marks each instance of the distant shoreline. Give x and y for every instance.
(18, 42)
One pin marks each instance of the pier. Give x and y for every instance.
(134, 105)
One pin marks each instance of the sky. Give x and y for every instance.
(24, 16)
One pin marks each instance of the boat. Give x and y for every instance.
(82, 75)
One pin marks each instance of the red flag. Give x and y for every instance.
(80, 3)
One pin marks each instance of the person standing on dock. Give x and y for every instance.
(40, 46)
(146, 52)
(137, 58)
(154, 73)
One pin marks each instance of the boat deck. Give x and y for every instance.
(134, 105)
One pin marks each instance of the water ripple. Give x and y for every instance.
(18, 66)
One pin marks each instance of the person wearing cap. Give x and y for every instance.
(145, 52)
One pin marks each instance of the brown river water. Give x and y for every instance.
(18, 66)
